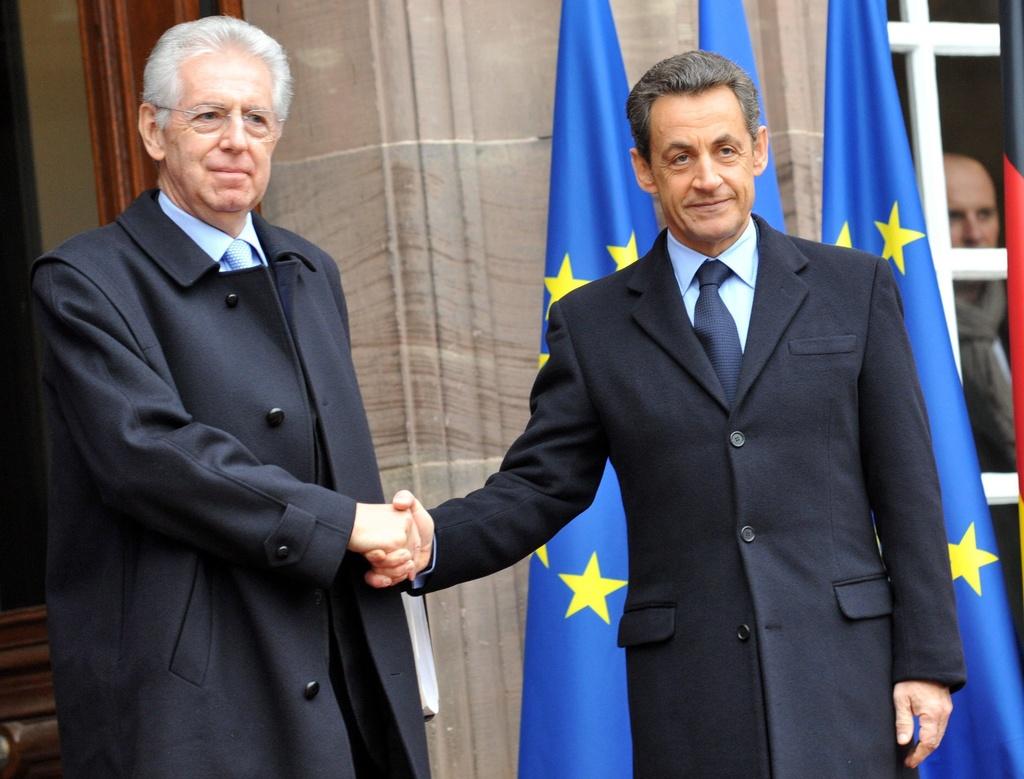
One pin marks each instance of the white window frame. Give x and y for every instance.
(922, 40)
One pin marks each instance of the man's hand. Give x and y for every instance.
(390, 536)
(389, 568)
(405, 500)
(931, 704)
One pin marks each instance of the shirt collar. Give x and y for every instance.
(211, 240)
(741, 257)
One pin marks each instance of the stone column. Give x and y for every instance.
(789, 41)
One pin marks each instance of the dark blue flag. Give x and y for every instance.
(871, 202)
(723, 30)
(575, 719)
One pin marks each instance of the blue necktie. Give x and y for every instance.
(238, 256)
(716, 328)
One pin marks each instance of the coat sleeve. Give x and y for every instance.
(154, 464)
(548, 476)
(903, 489)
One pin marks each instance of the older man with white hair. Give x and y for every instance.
(213, 482)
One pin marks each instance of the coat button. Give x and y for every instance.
(231, 300)
(743, 632)
(282, 552)
(737, 439)
(747, 533)
(318, 597)
(311, 690)
(275, 417)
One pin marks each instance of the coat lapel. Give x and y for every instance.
(278, 244)
(165, 242)
(778, 294)
(662, 315)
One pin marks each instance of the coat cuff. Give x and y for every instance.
(311, 539)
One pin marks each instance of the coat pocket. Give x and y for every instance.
(647, 624)
(191, 654)
(864, 597)
(829, 344)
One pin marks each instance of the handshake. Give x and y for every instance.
(397, 539)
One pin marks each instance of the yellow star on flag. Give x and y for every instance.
(896, 237)
(624, 255)
(542, 555)
(967, 560)
(561, 285)
(844, 237)
(542, 360)
(590, 589)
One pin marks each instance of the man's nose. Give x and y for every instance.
(706, 175)
(970, 230)
(233, 134)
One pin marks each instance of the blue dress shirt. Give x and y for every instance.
(211, 240)
(737, 291)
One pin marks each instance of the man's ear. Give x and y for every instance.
(760, 150)
(152, 135)
(642, 171)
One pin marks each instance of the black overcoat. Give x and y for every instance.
(763, 629)
(191, 552)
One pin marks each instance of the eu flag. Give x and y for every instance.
(871, 202)
(723, 30)
(575, 719)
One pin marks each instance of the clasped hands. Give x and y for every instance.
(396, 539)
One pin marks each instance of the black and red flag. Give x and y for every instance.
(1011, 33)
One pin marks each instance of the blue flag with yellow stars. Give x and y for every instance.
(871, 202)
(723, 30)
(575, 717)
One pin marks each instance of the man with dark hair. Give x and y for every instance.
(213, 477)
(757, 397)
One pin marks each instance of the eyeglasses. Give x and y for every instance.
(259, 125)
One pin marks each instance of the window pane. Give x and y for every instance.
(970, 110)
(59, 119)
(894, 11)
(899, 69)
(961, 11)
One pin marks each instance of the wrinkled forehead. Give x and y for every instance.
(226, 78)
(712, 116)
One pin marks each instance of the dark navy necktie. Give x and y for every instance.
(716, 328)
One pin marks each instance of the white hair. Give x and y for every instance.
(161, 82)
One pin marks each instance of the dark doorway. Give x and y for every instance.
(22, 476)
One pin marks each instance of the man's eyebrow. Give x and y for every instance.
(679, 145)
(727, 139)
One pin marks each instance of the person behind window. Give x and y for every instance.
(981, 314)
(981, 325)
